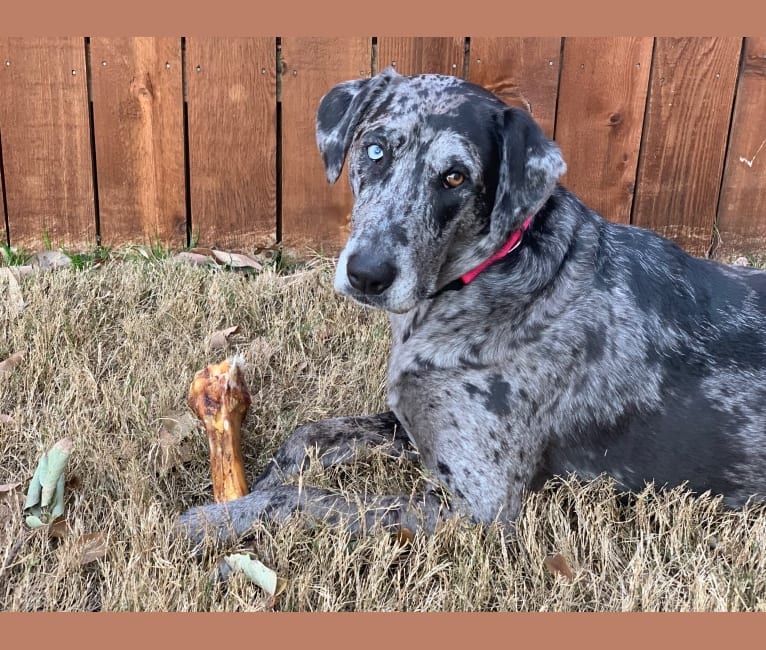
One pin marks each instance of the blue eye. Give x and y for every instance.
(375, 152)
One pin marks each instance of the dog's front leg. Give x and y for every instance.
(228, 521)
(336, 440)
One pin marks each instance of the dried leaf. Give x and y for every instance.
(557, 565)
(7, 366)
(741, 261)
(8, 487)
(59, 528)
(404, 536)
(6, 419)
(220, 339)
(22, 271)
(256, 572)
(50, 260)
(195, 259)
(13, 296)
(73, 483)
(237, 260)
(92, 547)
(175, 441)
(203, 250)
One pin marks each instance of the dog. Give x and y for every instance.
(531, 337)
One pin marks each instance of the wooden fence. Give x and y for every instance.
(117, 140)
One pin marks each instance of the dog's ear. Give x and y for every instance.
(339, 114)
(530, 166)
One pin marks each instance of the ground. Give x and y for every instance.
(110, 351)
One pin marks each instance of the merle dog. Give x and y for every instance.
(531, 337)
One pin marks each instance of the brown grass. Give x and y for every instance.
(108, 352)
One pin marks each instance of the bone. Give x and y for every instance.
(220, 399)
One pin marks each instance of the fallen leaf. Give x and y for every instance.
(175, 441)
(7, 366)
(50, 260)
(256, 572)
(404, 536)
(237, 260)
(195, 259)
(73, 483)
(14, 296)
(557, 565)
(21, 271)
(741, 261)
(8, 487)
(92, 547)
(203, 250)
(59, 528)
(220, 338)
(11, 504)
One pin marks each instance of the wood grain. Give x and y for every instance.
(523, 72)
(138, 129)
(602, 98)
(742, 208)
(44, 122)
(315, 215)
(232, 141)
(4, 239)
(687, 123)
(420, 55)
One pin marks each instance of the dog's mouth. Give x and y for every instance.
(378, 301)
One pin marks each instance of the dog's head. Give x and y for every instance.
(442, 173)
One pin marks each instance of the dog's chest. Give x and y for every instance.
(433, 349)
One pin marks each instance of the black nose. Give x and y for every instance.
(370, 275)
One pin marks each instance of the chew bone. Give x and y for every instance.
(219, 397)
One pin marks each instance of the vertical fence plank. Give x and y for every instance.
(742, 209)
(687, 123)
(44, 121)
(523, 72)
(419, 55)
(3, 214)
(602, 97)
(315, 215)
(138, 129)
(232, 140)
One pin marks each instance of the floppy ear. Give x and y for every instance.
(339, 114)
(530, 166)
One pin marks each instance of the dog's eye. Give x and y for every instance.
(375, 152)
(453, 179)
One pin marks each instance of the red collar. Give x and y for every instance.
(469, 276)
(513, 241)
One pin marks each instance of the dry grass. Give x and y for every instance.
(110, 351)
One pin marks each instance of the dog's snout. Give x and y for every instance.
(370, 275)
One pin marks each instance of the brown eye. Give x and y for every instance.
(453, 179)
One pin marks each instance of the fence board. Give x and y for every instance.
(138, 129)
(418, 55)
(602, 97)
(522, 71)
(742, 209)
(232, 140)
(3, 214)
(315, 215)
(687, 122)
(44, 120)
